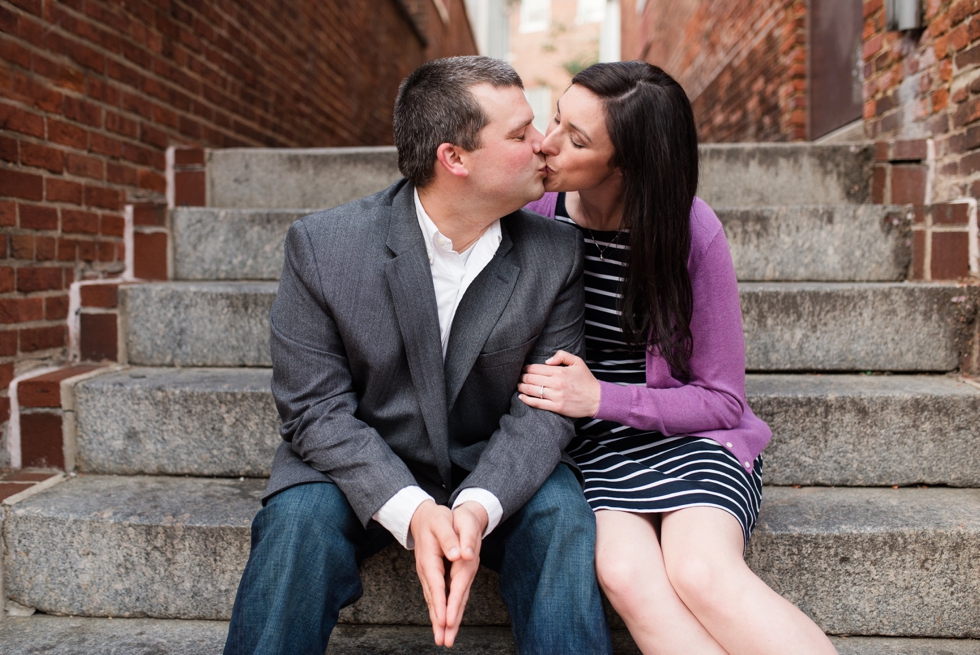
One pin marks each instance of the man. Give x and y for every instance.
(399, 332)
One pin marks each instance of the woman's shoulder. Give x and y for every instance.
(545, 205)
(705, 225)
(705, 230)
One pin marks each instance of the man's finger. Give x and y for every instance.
(461, 575)
(446, 537)
(432, 575)
(469, 529)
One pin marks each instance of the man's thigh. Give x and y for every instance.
(556, 516)
(315, 520)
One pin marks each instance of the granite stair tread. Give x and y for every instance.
(55, 635)
(830, 429)
(740, 174)
(788, 326)
(809, 242)
(859, 561)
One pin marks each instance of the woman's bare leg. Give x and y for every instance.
(630, 568)
(702, 553)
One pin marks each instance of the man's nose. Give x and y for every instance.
(548, 144)
(536, 138)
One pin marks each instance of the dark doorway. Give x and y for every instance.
(835, 64)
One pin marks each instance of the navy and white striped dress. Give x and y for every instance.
(633, 470)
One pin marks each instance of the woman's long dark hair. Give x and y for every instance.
(652, 126)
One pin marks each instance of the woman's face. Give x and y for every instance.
(577, 147)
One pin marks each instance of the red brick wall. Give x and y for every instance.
(742, 63)
(927, 85)
(93, 91)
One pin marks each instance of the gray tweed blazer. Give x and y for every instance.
(364, 395)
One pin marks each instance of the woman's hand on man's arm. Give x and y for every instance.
(563, 384)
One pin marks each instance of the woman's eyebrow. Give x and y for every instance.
(580, 131)
(573, 125)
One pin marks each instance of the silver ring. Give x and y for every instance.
(542, 392)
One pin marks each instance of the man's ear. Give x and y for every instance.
(451, 158)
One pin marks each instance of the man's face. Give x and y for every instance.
(508, 168)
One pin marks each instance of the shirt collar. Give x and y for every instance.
(491, 237)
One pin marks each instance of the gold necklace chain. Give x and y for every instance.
(596, 242)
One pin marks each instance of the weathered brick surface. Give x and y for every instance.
(93, 93)
(743, 64)
(927, 84)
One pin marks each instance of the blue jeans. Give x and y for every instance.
(307, 543)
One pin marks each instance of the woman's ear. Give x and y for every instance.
(450, 157)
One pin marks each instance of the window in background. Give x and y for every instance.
(591, 11)
(535, 15)
(540, 100)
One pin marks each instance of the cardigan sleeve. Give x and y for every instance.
(714, 397)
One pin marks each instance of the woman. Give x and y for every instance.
(668, 446)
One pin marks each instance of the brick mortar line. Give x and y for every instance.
(14, 231)
(105, 52)
(45, 323)
(943, 228)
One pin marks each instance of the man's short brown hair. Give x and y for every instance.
(435, 106)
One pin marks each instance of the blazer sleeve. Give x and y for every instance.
(313, 390)
(524, 451)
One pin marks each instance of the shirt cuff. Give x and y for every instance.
(490, 503)
(396, 514)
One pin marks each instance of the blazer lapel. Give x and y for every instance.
(477, 314)
(412, 293)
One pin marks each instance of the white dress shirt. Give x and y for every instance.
(452, 274)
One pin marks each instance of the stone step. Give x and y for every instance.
(230, 244)
(868, 430)
(197, 323)
(55, 635)
(767, 174)
(871, 326)
(814, 242)
(732, 175)
(177, 421)
(892, 562)
(827, 243)
(845, 430)
(789, 326)
(272, 178)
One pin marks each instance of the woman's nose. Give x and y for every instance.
(549, 145)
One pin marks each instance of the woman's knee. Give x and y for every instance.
(704, 582)
(619, 576)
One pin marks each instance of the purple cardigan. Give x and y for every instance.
(712, 404)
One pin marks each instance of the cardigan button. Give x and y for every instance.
(748, 465)
(729, 444)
